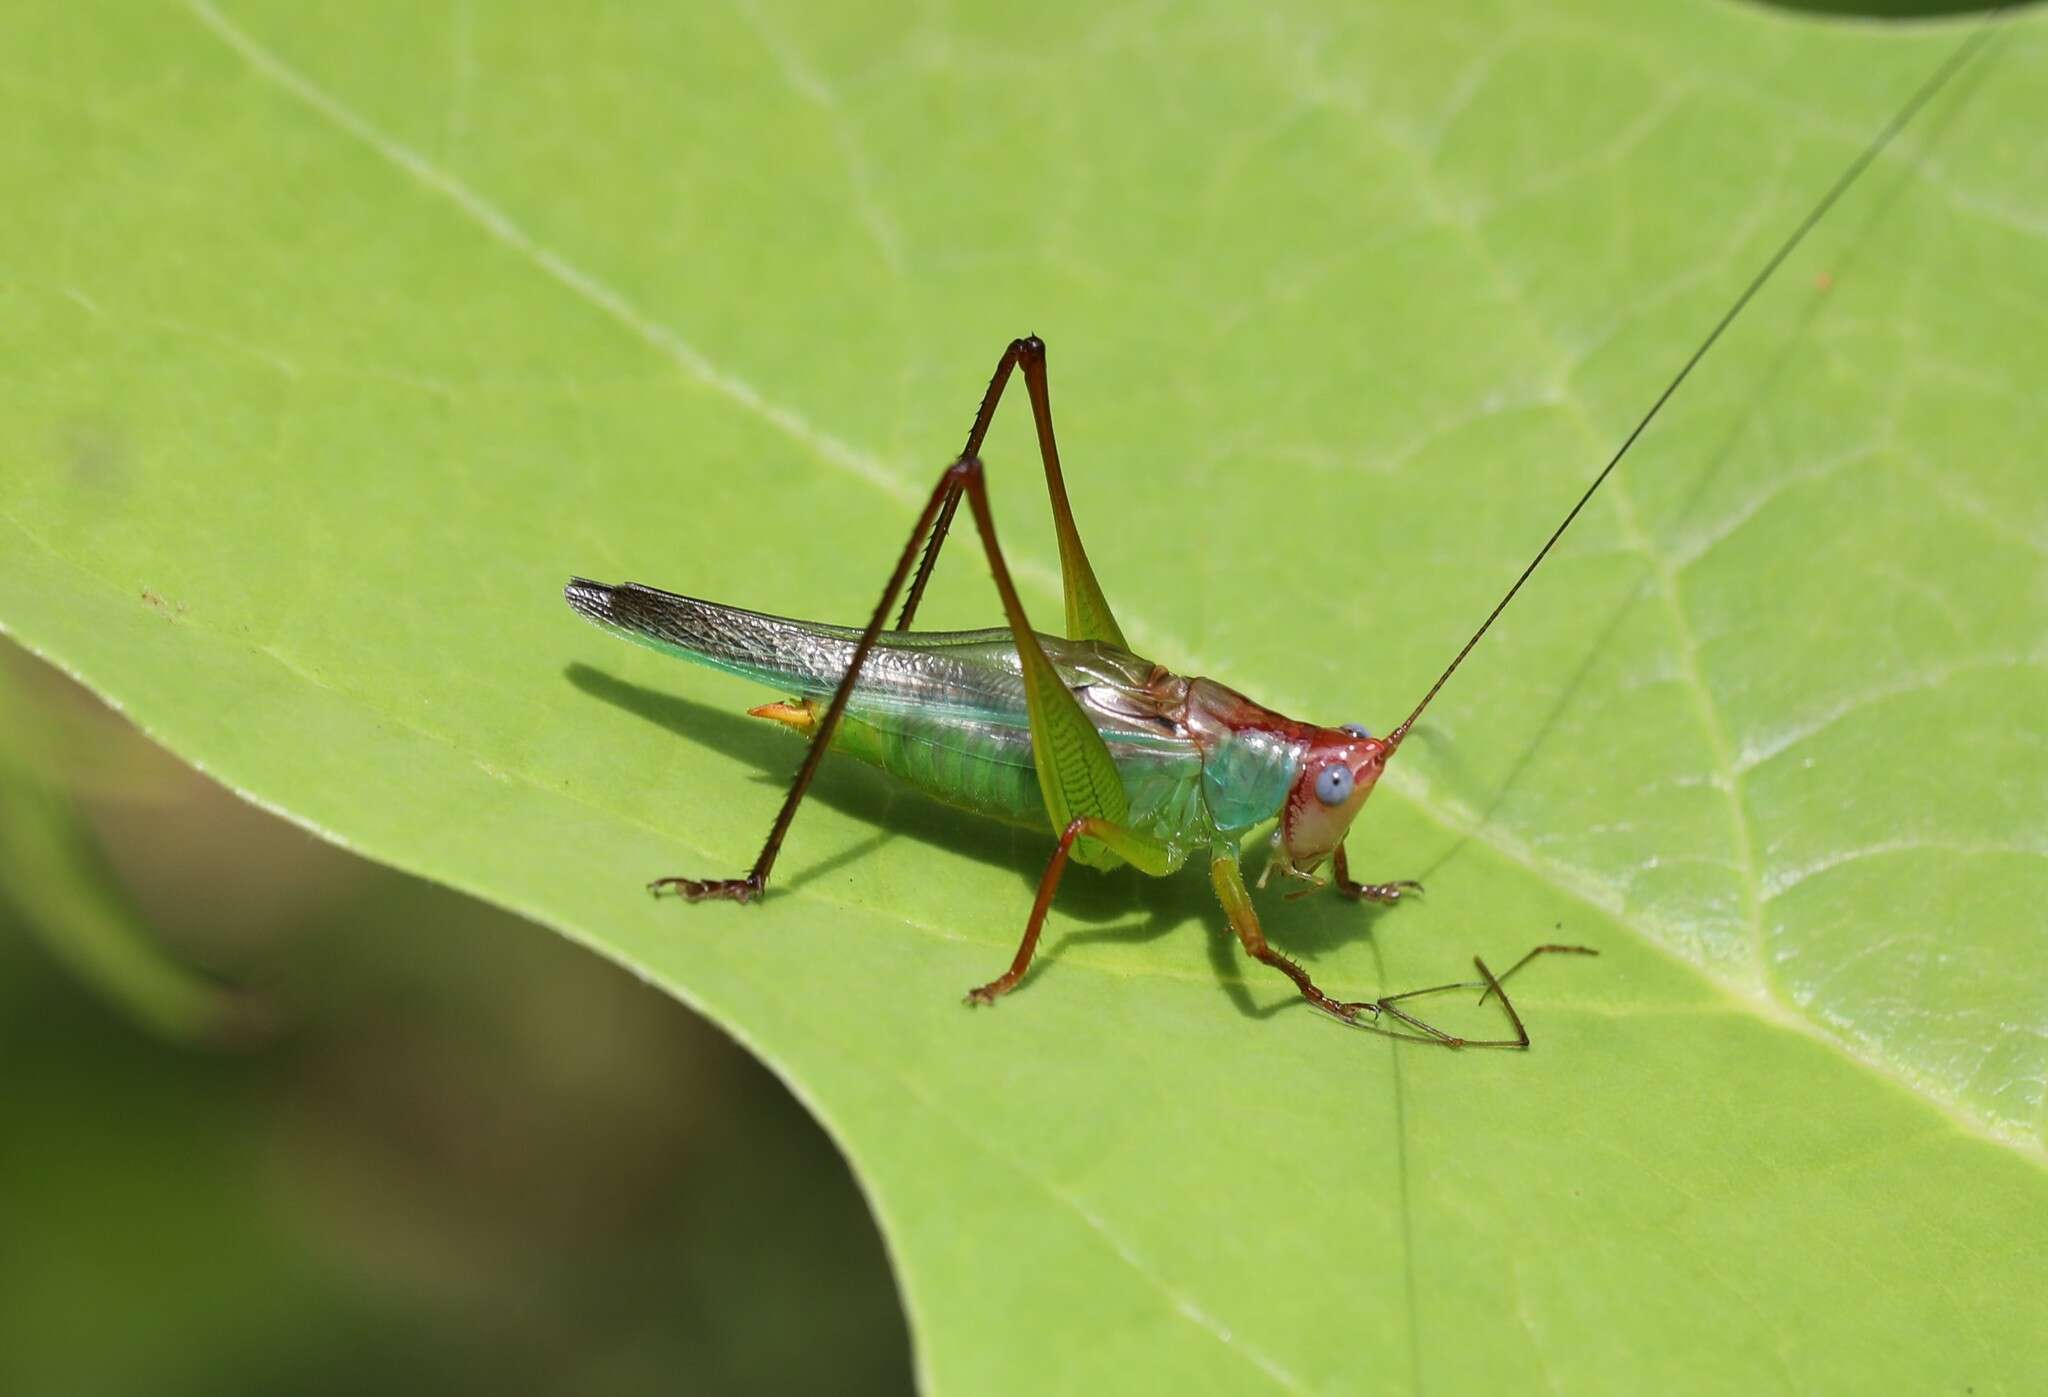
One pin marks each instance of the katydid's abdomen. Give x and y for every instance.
(945, 711)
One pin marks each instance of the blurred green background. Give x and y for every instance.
(392, 1171)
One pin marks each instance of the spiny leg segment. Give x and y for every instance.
(1075, 770)
(1088, 613)
(1148, 855)
(1491, 985)
(748, 888)
(1340, 871)
(1228, 879)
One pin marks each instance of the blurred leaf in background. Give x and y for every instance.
(465, 1156)
(61, 888)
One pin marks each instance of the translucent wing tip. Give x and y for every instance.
(592, 599)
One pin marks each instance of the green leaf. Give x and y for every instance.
(335, 341)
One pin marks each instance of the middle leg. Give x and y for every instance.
(1147, 855)
(1228, 880)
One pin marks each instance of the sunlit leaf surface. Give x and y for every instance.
(332, 342)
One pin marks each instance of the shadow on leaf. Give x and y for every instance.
(1304, 928)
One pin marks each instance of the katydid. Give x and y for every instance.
(1122, 760)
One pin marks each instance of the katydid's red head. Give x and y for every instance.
(1337, 774)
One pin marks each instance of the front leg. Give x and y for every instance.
(1368, 892)
(1228, 880)
(1369, 1015)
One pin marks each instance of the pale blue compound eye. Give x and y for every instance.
(1333, 784)
(1356, 730)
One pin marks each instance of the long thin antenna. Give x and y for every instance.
(1963, 53)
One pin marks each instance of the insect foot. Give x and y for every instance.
(1379, 892)
(992, 992)
(698, 890)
